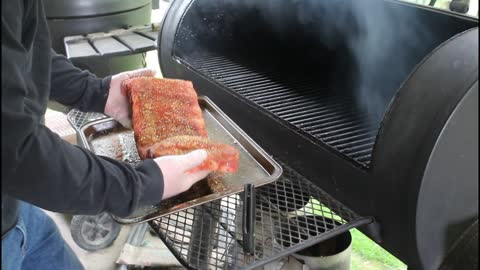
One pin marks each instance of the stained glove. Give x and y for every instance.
(118, 106)
(176, 177)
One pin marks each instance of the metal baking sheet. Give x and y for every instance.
(106, 137)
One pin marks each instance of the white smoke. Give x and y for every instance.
(382, 42)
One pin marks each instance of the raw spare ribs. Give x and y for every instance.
(167, 120)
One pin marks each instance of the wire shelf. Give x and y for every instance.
(291, 214)
(78, 118)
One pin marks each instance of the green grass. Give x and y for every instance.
(366, 254)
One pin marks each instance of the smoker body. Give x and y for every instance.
(376, 104)
(70, 18)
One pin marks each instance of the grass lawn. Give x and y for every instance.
(366, 254)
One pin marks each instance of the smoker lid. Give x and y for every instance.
(75, 8)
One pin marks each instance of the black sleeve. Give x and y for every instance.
(38, 166)
(77, 88)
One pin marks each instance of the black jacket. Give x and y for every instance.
(38, 167)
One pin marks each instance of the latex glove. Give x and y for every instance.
(118, 106)
(176, 177)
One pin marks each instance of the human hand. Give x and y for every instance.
(176, 177)
(118, 106)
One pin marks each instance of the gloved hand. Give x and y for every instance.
(118, 106)
(176, 177)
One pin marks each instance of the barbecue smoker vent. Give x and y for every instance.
(374, 101)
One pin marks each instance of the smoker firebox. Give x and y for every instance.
(373, 100)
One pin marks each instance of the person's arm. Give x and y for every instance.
(73, 87)
(40, 168)
(83, 90)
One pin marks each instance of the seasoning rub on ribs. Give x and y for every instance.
(167, 120)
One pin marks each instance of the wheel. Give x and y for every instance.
(94, 232)
(459, 6)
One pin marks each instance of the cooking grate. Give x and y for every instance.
(210, 236)
(78, 118)
(305, 104)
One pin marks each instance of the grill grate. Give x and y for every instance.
(78, 118)
(329, 117)
(210, 236)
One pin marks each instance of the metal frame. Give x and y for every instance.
(217, 242)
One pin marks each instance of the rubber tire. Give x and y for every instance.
(460, 7)
(81, 228)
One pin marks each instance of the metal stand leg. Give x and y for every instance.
(248, 226)
(203, 237)
(135, 238)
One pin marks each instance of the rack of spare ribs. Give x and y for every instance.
(249, 228)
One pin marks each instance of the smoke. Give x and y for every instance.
(381, 41)
(384, 42)
(390, 44)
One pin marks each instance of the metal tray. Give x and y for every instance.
(106, 137)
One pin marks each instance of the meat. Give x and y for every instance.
(167, 120)
(221, 157)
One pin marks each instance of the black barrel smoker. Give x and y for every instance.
(375, 101)
(70, 18)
